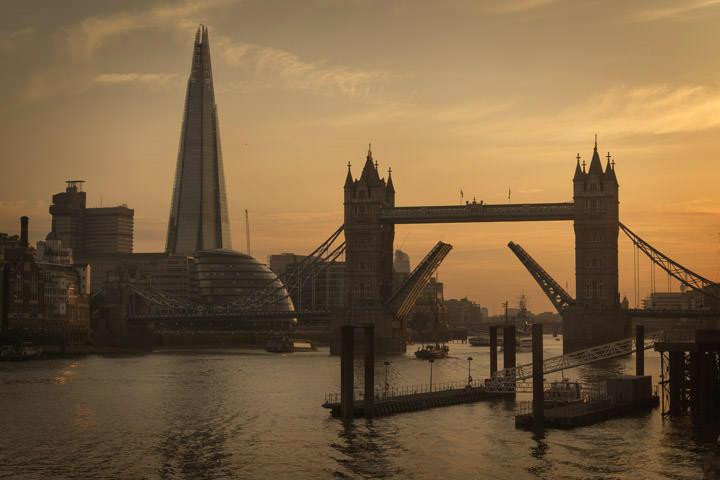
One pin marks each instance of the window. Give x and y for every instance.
(19, 286)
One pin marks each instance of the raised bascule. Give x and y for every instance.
(371, 215)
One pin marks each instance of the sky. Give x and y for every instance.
(478, 96)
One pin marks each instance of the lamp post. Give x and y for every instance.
(386, 363)
(469, 359)
(431, 362)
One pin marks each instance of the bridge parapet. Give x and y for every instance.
(478, 212)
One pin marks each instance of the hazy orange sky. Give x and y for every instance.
(471, 95)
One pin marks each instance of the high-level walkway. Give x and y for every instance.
(478, 212)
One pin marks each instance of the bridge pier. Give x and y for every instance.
(695, 381)
(347, 377)
(584, 327)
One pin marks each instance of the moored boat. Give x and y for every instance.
(563, 392)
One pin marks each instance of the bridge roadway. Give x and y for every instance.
(476, 212)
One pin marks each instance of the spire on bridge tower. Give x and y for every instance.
(348, 179)
(390, 186)
(370, 174)
(610, 170)
(595, 165)
(579, 174)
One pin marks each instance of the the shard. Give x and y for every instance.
(199, 214)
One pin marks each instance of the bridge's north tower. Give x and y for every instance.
(369, 254)
(596, 317)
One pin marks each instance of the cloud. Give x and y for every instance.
(674, 12)
(517, 6)
(134, 78)
(85, 38)
(293, 72)
(616, 112)
(9, 39)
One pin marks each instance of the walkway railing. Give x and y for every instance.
(395, 393)
(581, 357)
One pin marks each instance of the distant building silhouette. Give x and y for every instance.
(90, 231)
(199, 214)
(44, 296)
(402, 262)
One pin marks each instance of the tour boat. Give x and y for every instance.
(433, 351)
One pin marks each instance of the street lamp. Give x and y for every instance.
(469, 359)
(386, 363)
(431, 362)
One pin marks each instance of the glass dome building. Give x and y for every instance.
(229, 277)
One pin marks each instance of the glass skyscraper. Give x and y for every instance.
(199, 214)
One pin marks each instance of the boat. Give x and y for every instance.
(563, 392)
(288, 345)
(302, 346)
(24, 351)
(480, 341)
(433, 351)
(522, 344)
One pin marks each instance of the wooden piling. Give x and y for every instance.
(346, 372)
(538, 401)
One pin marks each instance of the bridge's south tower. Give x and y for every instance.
(369, 255)
(596, 318)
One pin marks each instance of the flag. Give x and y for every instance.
(461, 193)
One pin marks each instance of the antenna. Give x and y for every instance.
(247, 232)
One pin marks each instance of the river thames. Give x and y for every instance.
(249, 414)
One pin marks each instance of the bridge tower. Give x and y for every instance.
(369, 255)
(596, 317)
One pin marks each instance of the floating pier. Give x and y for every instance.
(417, 398)
(580, 415)
(626, 395)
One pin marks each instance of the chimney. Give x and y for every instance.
(24, 232)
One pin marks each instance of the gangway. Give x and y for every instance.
(571, 360)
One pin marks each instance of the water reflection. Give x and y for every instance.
(368, 450)
(194, 452)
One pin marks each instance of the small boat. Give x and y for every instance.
(288, 345)
(563, 392)
(479, 341)
(522, 344)
(302, 346)
(24, 351)
(433, 351)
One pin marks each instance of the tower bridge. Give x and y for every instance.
(594, 317)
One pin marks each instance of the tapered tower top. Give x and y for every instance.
(199, 217)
